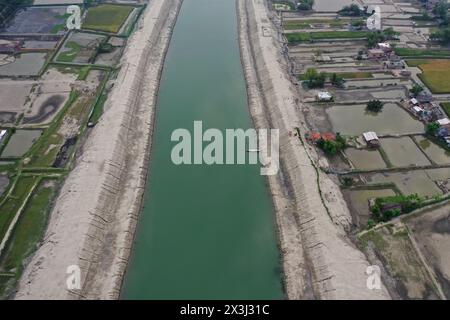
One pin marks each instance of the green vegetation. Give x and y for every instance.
(27, 232)
(374, 106)
(107, 17)
(337, 80)
(83, 73)
(356, 75)
(442, 35)
(435, 73)
(44, 151)
(279, 4)
(418, 53)
(57, 28)
(70, 55)
(416, 90)
(10, 203)
(432, 128)
(311, 36)
(98, 108)
(386, 208)
(424, 16)
(305, 4)
(446, 107)
(441, 10)
(306, 24)
(379, 36)
(352, 10)
(315, 79)
(332, 147)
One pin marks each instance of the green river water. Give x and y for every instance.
(206, 232)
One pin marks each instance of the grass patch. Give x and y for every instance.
(345, 75)
(70, 55)
(310, 36)
(98, 108)
(446, 107)
(435, 74)
(408, 52)
(306, 24)
(107, 17)
(27, 233)
(13, 202)
(283, 5)
(83, 73)
(44, 151)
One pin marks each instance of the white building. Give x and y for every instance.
(324, 96)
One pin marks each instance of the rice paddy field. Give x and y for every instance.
(310, 36)
(435, 73)
(107, 17)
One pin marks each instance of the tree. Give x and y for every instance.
(375, 106)
(390, 33)
(337, 80)
(416, 90)
(305, 4)
(327, 146)
(358, 24)
(442, 35)
(374, 38)
(441, 10)
(432, 128)
(352, 10)
(330, 147)
(315, 79)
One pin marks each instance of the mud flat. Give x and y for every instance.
(319, 261)
(93, 221)
(431, 229)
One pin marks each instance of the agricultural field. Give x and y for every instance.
(391, 247)
(80, 47)
(435, 73)
(420, 53)
(446, 107)
(321, 35)
(307, 23)
(107, 17)
(52, 91)
(37, 20)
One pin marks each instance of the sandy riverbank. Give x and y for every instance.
(319, 260)
(93, 222)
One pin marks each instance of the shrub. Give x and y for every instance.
(375, 106)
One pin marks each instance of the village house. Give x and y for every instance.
(324, 96)
(375, 54)
(10, 47)
(385, 47)
(371, 139)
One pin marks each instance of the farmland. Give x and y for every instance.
(435, 74)
(107, 17)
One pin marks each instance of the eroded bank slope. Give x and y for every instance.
(94, 218)
(319, 261)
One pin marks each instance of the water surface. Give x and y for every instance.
(206, 232)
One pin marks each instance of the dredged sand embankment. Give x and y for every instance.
(93, 222)
(319, 260)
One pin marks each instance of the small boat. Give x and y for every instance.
(253, 150)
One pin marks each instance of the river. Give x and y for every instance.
(205, 232)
